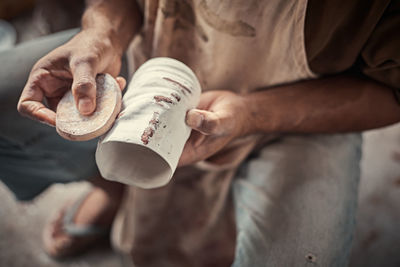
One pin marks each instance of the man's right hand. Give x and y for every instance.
(73, 65)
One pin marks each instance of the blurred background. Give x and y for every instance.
(377, 237)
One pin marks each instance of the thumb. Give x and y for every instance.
(84, 87)
(121, 82)
(206, 122)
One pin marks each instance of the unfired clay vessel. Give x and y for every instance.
(144, 145)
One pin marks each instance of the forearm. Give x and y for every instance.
(329, 105)
(118, 20)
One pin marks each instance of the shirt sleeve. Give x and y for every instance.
(381, 54)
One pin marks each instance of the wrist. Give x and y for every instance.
(117, 21)
(106, 38)
(262, 113)
(245, 117)
(97, 25)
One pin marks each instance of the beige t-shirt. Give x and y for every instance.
(231, 45)
(357, 36)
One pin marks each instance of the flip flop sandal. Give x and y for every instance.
(63, 238)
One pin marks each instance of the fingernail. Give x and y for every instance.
(195, 119)
(85, 105)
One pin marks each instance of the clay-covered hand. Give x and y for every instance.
(73, 65)
(219, 118)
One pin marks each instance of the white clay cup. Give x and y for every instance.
(144, 145)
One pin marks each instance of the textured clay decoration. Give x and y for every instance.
(71, 125)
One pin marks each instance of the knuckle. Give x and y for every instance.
(83, 85)
(89, 59)
(21, 107)
(25, 109)
(40, 64)
(37, 109)
(48, 60)
(210, 125)
(38, 75)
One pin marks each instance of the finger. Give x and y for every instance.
(84, 86)
(209, 145)
(121, 82)
(188, 155)
(198, 139)
(30, 103)
(183, 161)
(37, 111)
(52, 102)
(206, 122)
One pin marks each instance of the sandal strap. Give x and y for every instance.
(81, 230)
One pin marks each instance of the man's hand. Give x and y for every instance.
(107, 28)
(220, 117)
(71, 66)
(330, 105)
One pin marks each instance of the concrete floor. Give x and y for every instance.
(21, 226)
(377, 240)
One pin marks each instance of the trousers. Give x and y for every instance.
(295, 202)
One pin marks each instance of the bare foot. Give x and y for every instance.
(97, 209)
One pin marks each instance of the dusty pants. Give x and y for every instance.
(293, 203)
